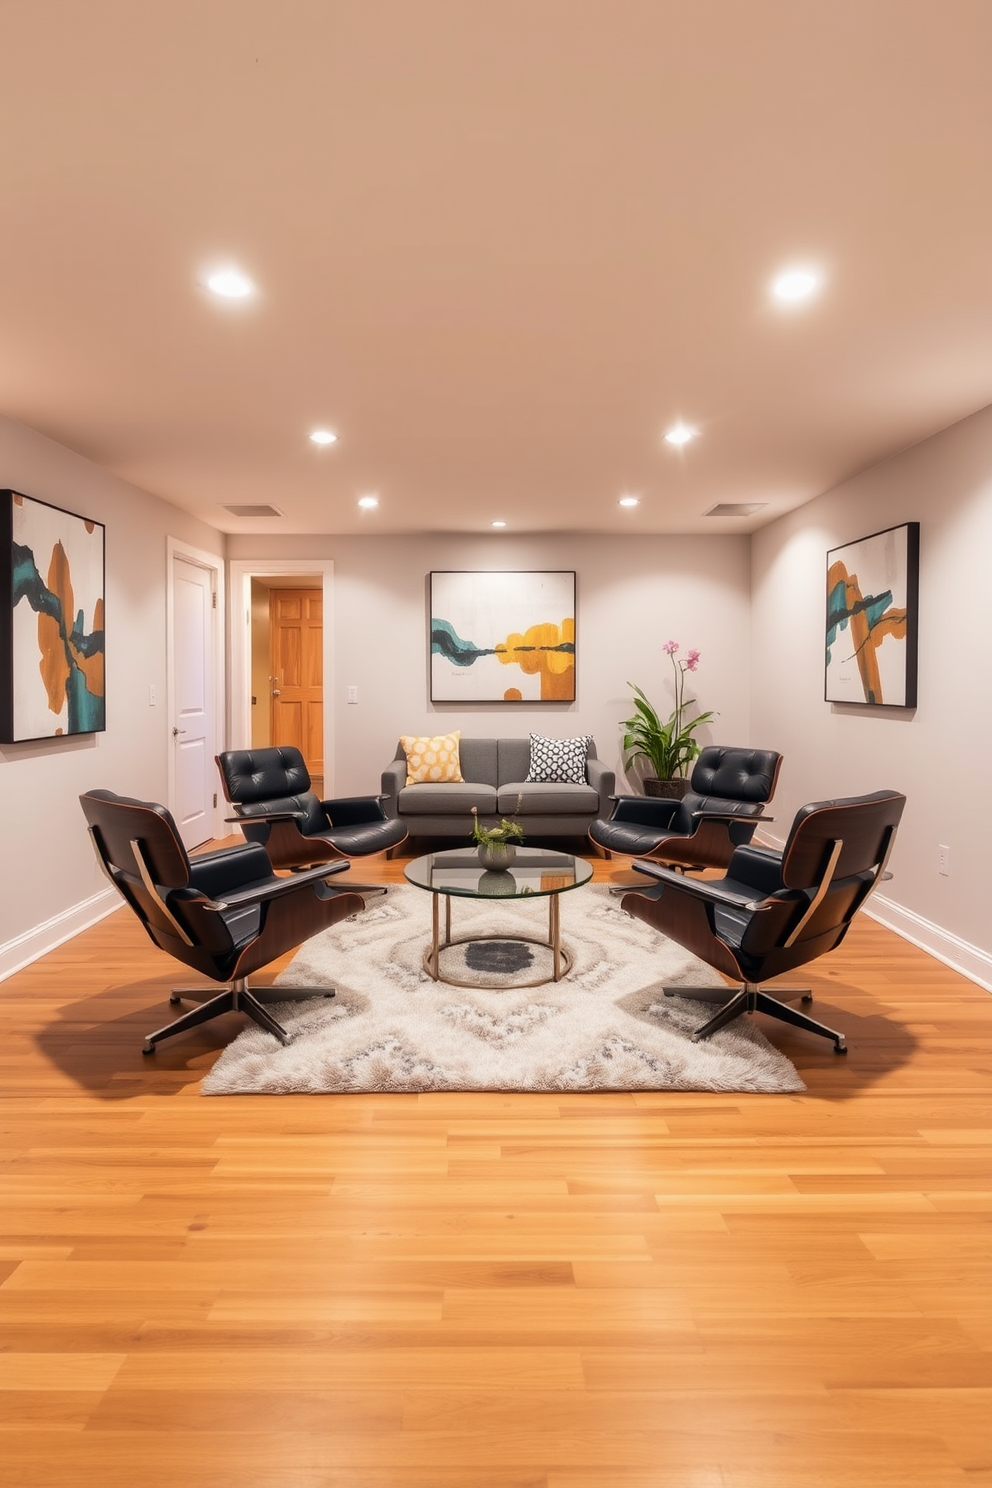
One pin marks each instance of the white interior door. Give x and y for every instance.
(193, 692)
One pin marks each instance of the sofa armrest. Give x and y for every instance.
(393, 781)
(603, 780)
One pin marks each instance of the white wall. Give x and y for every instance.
(52, 884)
(940, 753)
(633, 594)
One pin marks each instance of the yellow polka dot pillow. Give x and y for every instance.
(434, 760)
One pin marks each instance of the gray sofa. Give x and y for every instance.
(495, 771)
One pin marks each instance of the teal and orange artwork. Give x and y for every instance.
(502, 637)
(56, 622)
(871, 619)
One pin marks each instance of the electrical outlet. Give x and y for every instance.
(353, 694)
(944, 861)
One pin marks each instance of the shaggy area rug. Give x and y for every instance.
(606, 1026)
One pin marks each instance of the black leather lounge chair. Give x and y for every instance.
(775, 911)
(275, 806)
(224, 913)
(727, 790)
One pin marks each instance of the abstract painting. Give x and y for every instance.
(872, 608)
(502, 637)
(52, 577)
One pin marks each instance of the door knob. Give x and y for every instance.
(177, 731)
(276, 692)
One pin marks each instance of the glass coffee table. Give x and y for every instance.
(535, 873)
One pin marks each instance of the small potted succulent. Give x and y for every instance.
(496, 845)
(668, 746)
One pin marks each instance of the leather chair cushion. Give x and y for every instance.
(734, 774)
(314, 823)
(265, 774)
(218, 873)
(628, 837)
(356, 839)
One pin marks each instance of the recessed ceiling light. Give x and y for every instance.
(231, 284)
(323, 436)
(629, 501)
(795, 284)
(498, 524)
(368, 503)
(680, 434)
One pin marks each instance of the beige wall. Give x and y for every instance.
(753, 607)
(49, 867)
(633, 594)
(940, 753)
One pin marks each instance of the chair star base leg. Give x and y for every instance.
(750, 999)
(223, 1003)
(237, 998)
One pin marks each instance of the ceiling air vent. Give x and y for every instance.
(254, 511)
(736, 508)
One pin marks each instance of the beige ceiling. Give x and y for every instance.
(500, 245)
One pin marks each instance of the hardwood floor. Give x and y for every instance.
(494, 1291)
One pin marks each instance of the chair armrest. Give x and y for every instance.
(646, 811)
(730, 816)
(262, 817)
(275, 888)
(698, 888)
(349, 811)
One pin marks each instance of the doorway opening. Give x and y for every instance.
(282, 643)
(287, 667)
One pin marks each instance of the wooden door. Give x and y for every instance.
(297, 645)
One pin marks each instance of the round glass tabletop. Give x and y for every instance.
(535, 871)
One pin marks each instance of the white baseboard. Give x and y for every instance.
(959, 954)
(24, 949)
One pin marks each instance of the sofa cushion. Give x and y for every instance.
(479, 760)
(453, 798)
(562, 760)
(547, 798)
(513, 759)
(434, 759)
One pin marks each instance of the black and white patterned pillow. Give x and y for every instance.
(558, 760)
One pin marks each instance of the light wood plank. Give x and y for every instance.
(488, 1290)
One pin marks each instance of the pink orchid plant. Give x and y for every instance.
(668, 747)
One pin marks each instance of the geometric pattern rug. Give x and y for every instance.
(605, 1026)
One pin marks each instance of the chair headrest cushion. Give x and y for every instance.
(735, 774)
(263, 774)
